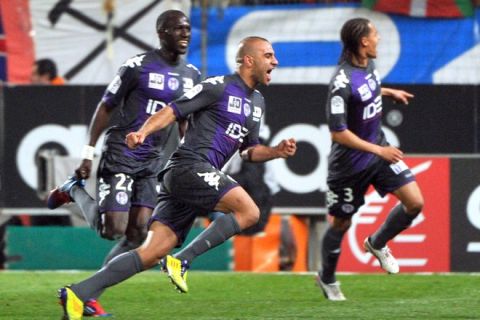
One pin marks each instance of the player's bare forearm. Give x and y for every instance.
(397, 95)
(157, 121)
(351, 140)
(262, 153)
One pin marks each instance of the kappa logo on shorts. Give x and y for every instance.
(212, 178)
(103, 190)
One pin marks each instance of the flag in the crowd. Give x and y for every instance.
(3, 50)
(423, 8)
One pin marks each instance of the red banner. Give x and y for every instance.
(18, 40)
(425, 246)
(423, 8)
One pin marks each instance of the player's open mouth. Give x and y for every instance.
(269, 76)
(183, 43)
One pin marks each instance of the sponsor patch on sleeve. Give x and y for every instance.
(115, 84)
(337, 105)
(194, 91)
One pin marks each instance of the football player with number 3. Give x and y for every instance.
(361, 156)
(127, 179)
(224, 115)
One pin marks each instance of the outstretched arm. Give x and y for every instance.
(261, 153)
(351, 140)
(397, 95)
(157, 121)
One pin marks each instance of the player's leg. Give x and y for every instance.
(403, 185)
(160, 240)
(401, 216)
(243, 214)
(344, 197)
(331, 244)
(135, 233)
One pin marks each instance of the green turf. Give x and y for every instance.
(212, 296)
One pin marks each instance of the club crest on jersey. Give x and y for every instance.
(364, 92)
(372, 84)
(247, 110)
(173, 84)
(257, 113)
(156, 81)
(234, 105)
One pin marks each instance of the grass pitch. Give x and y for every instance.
(239, 296)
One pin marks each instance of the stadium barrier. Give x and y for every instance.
(38, 122)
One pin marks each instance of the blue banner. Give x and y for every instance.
(306, 39)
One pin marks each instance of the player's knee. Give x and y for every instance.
(341, 224)
(113, 232)
(252, 216)
(137, 234)
(415, 207)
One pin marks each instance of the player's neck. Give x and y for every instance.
(360, 61)
(170, 57)
(247, 78)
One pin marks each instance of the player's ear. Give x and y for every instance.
(248, 59)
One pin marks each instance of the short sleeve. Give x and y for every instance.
(120, 86)
(199, 97)
(337, 101)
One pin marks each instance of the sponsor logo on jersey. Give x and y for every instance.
(173, 84)
(246, 109)
(156, 81)
(236, 131)
(364, 92)
(340, 81)
(374, 108)
(121, 197)
(153, 106)
(115, 84)
(337, 105)
(194, 91)
(187, 84)
(257, 113)
(211, 178)
(234, 105)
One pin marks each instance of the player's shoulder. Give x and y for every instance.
(137, 60)
(192, 68)
(257, 95)
(341, 77)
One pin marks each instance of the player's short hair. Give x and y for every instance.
(46, 66)
(244, 47)
(165, 17)
(352, 32)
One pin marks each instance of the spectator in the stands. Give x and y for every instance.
(44, 71)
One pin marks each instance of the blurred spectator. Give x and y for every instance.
(44, 71)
